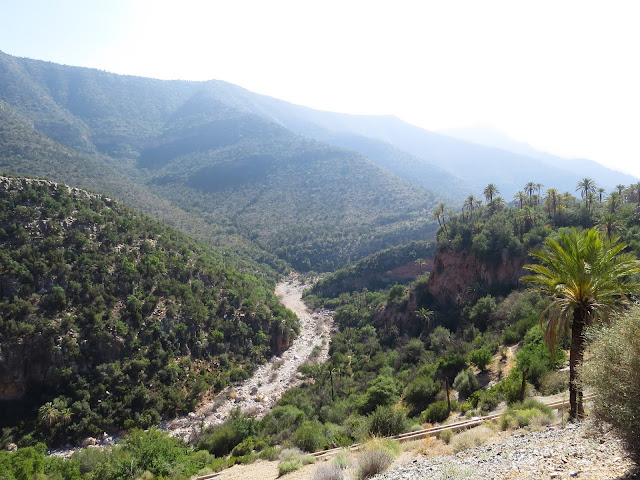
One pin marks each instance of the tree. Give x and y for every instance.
(529, 189)
(620, 188)
(438, 214)
(520, 196)
(470, 203)
(552, 200)
(489, 191)
(586, 186)
(587, 277)
(601, 193)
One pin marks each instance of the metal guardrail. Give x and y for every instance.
(420, 434)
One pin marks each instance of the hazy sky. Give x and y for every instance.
(563, 76)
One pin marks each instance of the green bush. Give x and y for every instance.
(387, 421)
(521, 414)
(466, 383)
(612, 370)
(436, 412)
(481, 358)
(289, 466)
(420, 392)
(309, 437)
(383, 390)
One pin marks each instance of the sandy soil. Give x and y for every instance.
(258, 394)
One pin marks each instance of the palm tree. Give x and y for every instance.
(586, 186)
(609, 225)
(470, 204)
(601, 193)
(48, 414)
(587, 278)
(529, 188)
(520, 196)
(620, 188)
(438, 214)
(552, 199)
(489, 191)
(614, 201)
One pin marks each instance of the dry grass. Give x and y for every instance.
(471, 438)
(372, 462)
(328, 472)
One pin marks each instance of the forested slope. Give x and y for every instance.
(248, 183)
(115, 318)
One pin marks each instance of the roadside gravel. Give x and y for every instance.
(582, 451)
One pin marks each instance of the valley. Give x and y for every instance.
(257, 395)
(221, 279)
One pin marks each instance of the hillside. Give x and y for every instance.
(251, 184)
(115, 318)
(450, 166)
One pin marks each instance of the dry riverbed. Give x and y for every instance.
(258, 394)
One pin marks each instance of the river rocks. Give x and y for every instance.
(90, 442)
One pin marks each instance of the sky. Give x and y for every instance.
(563, 76)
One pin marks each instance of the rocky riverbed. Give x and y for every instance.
(258, 394)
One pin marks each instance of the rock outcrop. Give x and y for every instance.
(455, 273)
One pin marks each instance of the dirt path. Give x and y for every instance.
(258, 394)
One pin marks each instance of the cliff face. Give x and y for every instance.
(455, 272)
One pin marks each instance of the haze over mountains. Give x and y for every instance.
(273, 182)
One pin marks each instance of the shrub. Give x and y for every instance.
(309, 436)
(341, 460)
(436, 412)
(383, 390)
(470, 439)
(290, 460)
(289, 466)
(466, 383)
(372, 462)
(446, 436)
(526, 413)
(387, 421)
(420, 393)
(481, 358)
(270, 453)
(328, 472)
(612, 371)
(554, 382)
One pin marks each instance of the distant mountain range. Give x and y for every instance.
(272, 183)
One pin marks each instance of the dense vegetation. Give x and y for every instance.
(191, 154)
(109, 319)
(378, 271)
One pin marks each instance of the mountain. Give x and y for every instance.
(115, 318)
(454, 165)
(489, 137)
(248, 180)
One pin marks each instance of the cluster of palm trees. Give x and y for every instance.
(51, 414)
(586, 274)
(531, 196)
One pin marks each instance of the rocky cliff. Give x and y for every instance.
(454, 274)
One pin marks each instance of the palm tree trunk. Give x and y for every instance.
(576, 355)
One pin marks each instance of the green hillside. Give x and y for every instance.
(115, 318)
(186, 153)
